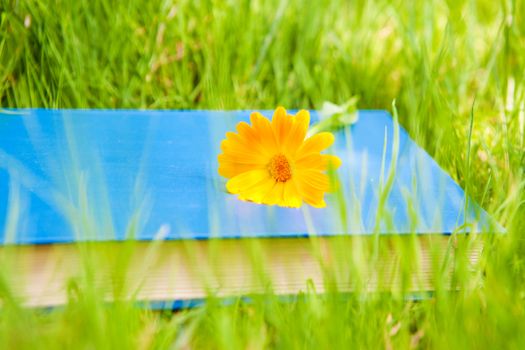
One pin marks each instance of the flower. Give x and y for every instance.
(272, 162)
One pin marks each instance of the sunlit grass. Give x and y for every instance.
(456, 70)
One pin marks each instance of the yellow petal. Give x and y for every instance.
(291, 196)
(241, 156)
(333, 162)
(247, 180)
(312, 196)
(258, 192)
(298, 131)
(263, 128)
(240, 141)
(312, 185)
(249, 137)
(316, 203)
(281, 125)
(230, 169)
(315, 144)
(318, 161)
(315, 179)
(275, 195)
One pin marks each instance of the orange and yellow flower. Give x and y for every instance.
(274, 163)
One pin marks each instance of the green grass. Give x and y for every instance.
(455, 68)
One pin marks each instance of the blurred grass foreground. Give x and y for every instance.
(455, 68)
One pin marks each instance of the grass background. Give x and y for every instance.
(456, 69)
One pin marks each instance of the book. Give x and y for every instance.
(140, 189)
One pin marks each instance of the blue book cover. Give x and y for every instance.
(105, 175)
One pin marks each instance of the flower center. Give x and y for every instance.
(280, 168)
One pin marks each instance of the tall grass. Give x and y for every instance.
(455, 68)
